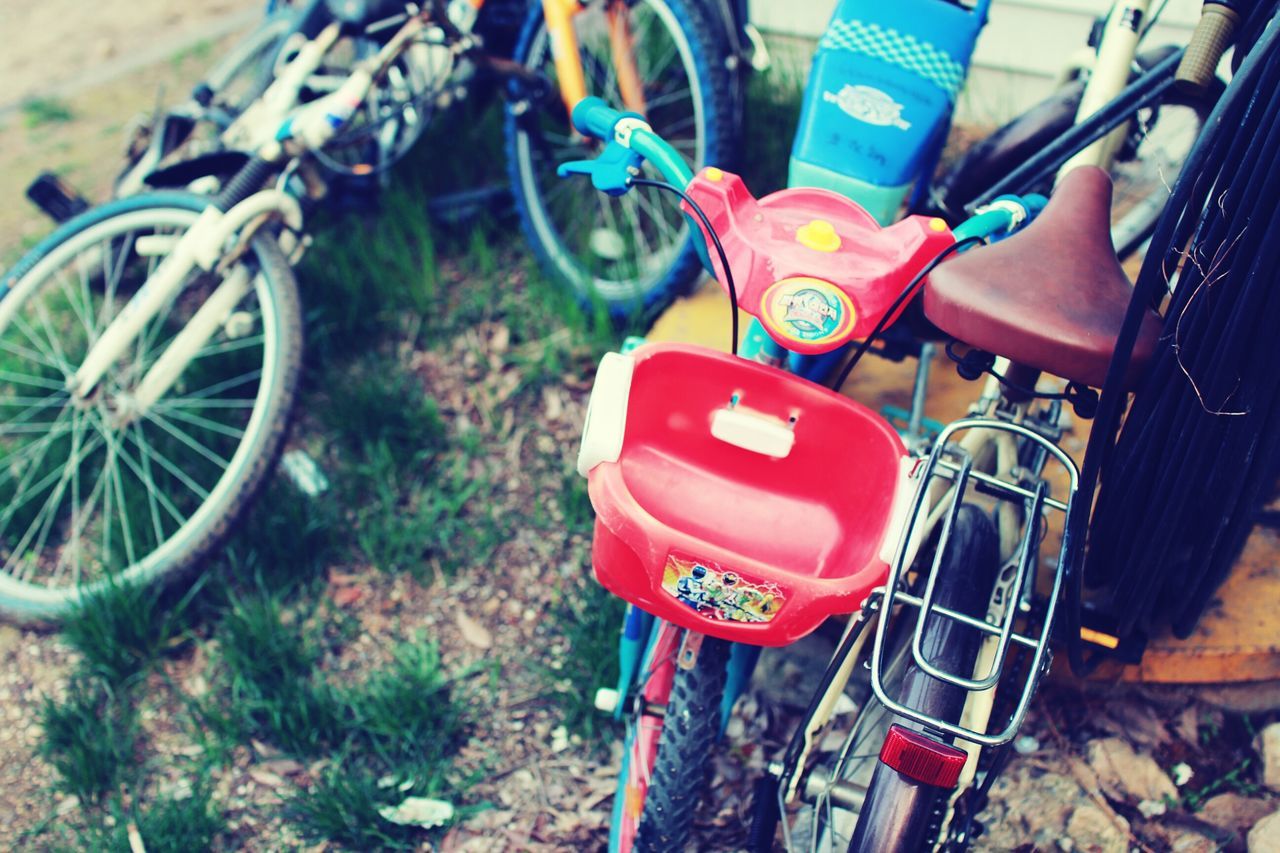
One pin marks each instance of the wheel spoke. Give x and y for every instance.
(53, 356)
(18, 550)
(28, 354)
(197, 420)
(183, 436)
(126, 529)
(35, 381)
(24, 485)
(224, 385)
(68, 474)
(177, 473)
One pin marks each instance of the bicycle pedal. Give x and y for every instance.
(56, 198)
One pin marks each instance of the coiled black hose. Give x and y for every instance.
(1200, 447)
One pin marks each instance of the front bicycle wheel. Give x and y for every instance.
(634, 252)
(100, 489)
(674, 725)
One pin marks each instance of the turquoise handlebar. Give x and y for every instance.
(594, 117)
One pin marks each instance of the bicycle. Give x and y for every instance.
(680, 61)
(724, 518)
(149, 356)
(292, 95)
(916, 55)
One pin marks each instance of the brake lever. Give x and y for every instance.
(611, 173)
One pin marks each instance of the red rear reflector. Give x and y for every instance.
(922, 758)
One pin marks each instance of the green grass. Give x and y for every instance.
(38, 112)
(417, 487)
(89, 738)
(123, 629)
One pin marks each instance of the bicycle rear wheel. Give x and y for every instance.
(634, 252)
(899, 813)
(94, 491)
(1144, 170)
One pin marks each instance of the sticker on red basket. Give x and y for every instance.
(720, 593)
(808, 310)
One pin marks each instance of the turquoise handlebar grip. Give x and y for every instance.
(593, 117)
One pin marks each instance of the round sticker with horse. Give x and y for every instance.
(808, 310)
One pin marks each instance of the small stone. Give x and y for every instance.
(559, 739)
(10, 640)
(1180, 841)
(1265, 835)
(1025, 745)
(1252, 698)
(1091, 829)
(1152, 808)
(472, 631)
(1267, 745)
(1234, 812)
(1181, 773)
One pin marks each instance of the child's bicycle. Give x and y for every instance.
(739, 507)
(149, 356)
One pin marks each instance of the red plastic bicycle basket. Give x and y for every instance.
(696, 528)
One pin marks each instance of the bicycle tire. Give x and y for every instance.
(677, 769)
(899, 815)
(1144, 169)
(626, 272)
(243, 74)
(240, 412)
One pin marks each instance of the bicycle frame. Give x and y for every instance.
(205, 243)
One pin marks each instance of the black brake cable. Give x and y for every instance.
(715, 239)
(907, 293)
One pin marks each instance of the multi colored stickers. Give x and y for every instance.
(718, 593)
(807, 310)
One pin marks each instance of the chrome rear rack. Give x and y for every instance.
(950, 470)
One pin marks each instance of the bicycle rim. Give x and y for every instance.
(1149, 163)
(619, 248)
(93, 492)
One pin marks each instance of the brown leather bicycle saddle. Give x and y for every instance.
(1052, 296)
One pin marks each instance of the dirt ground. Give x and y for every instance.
(99, 65)
(1093, 770)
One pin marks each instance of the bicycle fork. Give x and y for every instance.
(200, 247)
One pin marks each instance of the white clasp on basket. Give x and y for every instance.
(754, 431)
(606, 424)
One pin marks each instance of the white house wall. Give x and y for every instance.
(1019, 54)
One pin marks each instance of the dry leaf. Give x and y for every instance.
(419, 811)
(265, 777)
(345, 596)
(282, 766)
(472, 631)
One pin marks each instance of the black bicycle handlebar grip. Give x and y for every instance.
(244, 183)
(1210, 40)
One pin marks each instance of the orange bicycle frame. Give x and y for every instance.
(558, 16)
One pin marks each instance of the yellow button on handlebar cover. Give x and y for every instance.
(819, 235)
